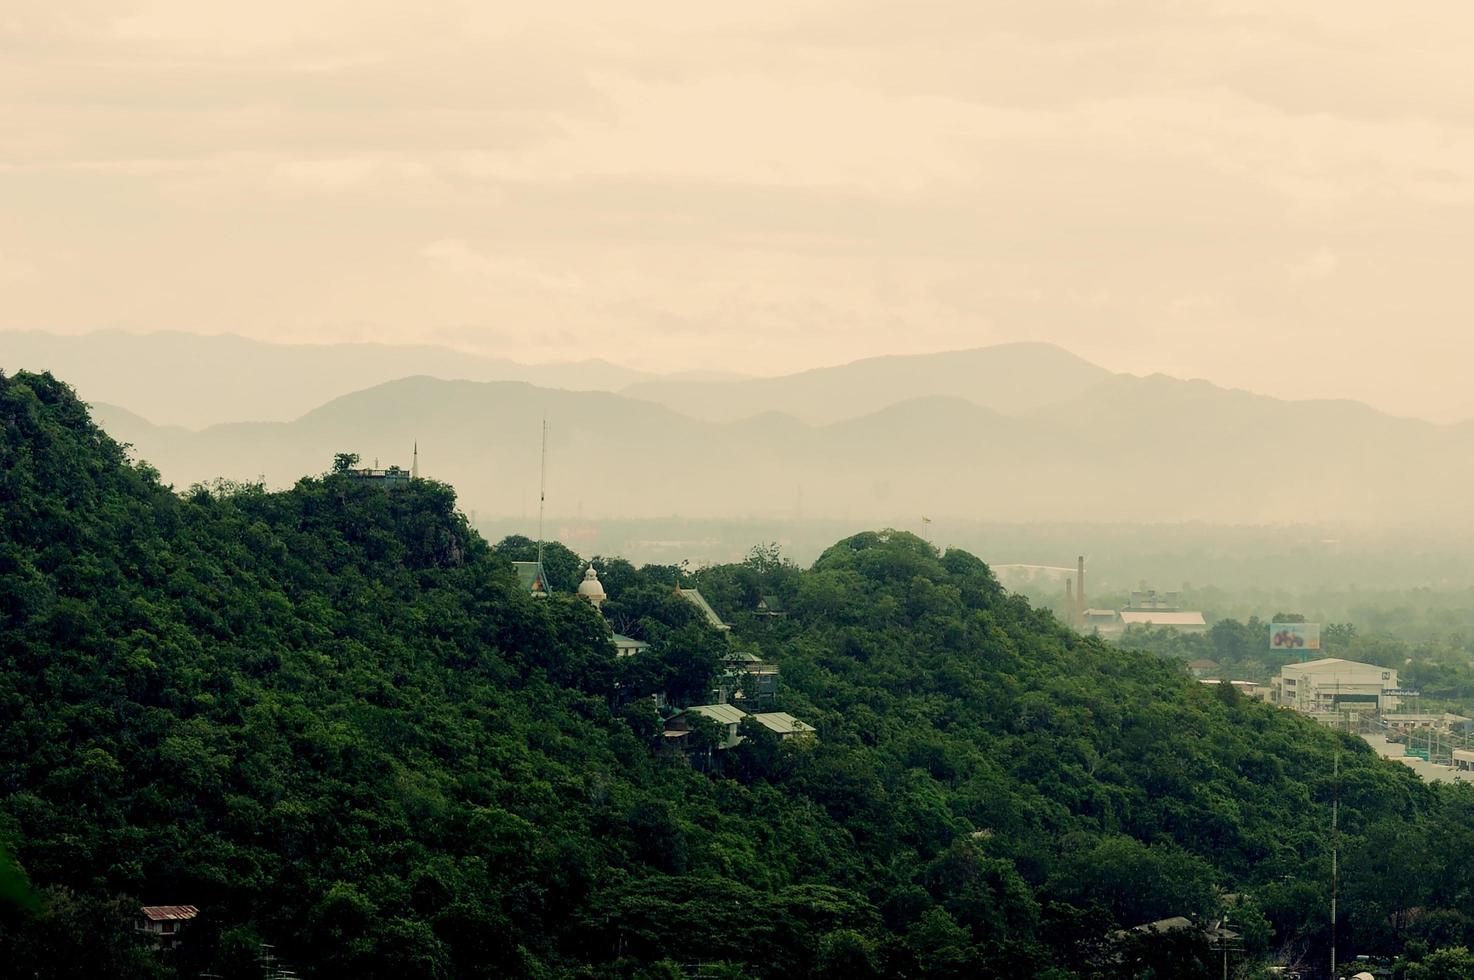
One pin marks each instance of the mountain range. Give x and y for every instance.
(1153, 449)
(189, 379)
(1010, 432)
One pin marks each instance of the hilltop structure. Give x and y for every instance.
(591, 588)
(532, 577)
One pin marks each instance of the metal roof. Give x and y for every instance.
(164, 913)
(782, 722)
(742, 657)
(620, 640)
(695, 597)
(1157, 617)
(722, 713)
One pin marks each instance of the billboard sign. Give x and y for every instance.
(1294, 637)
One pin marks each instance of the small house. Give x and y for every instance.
(726, 715)
(747, 678)
(1202, 668)
(628, 646)
(770, 607)
(164, 922)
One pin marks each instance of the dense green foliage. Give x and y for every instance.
(330, 719)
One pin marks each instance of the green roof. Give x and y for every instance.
(782, 723)
(532, 577)
(695, 597)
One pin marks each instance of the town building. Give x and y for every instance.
(1332, 684)
(163, 923)
(1145, 598)
(1106, 622)
(1183, 622)
(1202, 668)
(1248, 689)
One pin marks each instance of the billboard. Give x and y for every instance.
(1294, 636)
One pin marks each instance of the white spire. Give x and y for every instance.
(414, 467)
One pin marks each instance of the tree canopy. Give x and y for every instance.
(330, 718)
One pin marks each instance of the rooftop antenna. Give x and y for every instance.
(542, 495)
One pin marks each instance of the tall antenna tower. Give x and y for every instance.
(542, 496)
(414, 467)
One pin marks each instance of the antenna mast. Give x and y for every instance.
(542, 495)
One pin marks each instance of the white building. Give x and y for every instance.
(1182, 621)
(1333, 684)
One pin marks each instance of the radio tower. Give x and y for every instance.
(542, 496)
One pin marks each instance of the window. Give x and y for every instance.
(168, 927)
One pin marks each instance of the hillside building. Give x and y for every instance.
(390, 477)
(1332, 684)
(784, 725)
(695, 597)
(628, 646)
(770, 607)
(163, 923)
(746, 679)
(532, 578)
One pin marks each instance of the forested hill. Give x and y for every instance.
(329, 718)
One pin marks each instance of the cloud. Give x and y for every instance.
(460, 260)
(1320, 264)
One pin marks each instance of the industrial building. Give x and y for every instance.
(1333, 684)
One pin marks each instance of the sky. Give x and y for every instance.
(1268, 195)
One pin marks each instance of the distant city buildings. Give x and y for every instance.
(1332, 685)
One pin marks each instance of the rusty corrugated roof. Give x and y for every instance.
(162, 913)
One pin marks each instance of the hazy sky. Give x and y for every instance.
(1267, 194)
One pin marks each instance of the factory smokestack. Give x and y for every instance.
(1070, 595)
(1080, 595)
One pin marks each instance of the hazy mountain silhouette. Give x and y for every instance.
(1124, 449)
(188, 379)
(1009, 378)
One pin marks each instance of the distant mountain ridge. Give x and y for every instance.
(178, 378)
(1008, 378)
(1124, 449)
